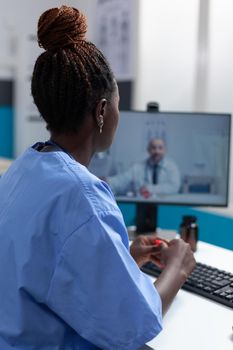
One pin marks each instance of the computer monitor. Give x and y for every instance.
(167, 158)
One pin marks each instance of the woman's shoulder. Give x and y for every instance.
(96, 191)
(65, 179)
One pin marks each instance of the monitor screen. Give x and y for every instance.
(168, 158)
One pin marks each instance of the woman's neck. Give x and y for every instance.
(79, 148)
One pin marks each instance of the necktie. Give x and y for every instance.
(155, 174)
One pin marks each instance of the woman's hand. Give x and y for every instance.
(178, 263)
(145, 248)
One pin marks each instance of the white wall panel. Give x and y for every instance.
(166, 54)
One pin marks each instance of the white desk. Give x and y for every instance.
(194, 322)
(4, 164)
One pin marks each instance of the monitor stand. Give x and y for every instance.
(146, 213)
(146, 218)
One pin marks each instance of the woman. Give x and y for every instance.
(70, 281)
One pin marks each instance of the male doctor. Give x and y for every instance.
(155, 175)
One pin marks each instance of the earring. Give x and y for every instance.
(101, 123)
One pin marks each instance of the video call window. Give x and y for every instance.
(168, 157)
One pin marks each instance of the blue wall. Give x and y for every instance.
(6, 118)
(6, 132)
(214, 229)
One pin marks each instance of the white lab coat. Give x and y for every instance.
(140, 174)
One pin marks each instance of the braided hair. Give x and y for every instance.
(72, 75)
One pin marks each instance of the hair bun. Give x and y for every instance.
(60, 27)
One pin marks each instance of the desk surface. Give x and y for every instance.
(4, 164)
(196, 323)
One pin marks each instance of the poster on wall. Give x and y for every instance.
(114, 35)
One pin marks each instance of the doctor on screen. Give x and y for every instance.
(157, 174)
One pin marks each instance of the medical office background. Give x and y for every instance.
(179, 54)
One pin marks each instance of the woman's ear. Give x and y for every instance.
(101, 108)
(100, 112)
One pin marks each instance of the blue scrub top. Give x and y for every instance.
(67, 278)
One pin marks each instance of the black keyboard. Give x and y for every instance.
(206, 281)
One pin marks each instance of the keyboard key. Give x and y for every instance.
(229, 296)
(221, 282)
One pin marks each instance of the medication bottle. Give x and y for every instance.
(189, 231)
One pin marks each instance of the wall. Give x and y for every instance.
(166, 55)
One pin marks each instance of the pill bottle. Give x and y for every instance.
(189, 231)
